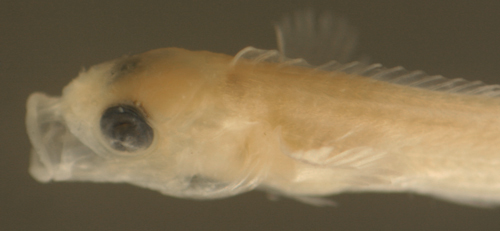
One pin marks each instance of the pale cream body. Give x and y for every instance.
(224, 125)
(317, 133)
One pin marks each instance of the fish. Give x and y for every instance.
(306, 121)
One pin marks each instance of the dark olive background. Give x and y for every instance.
(43, 45)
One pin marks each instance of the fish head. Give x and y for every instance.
(154, 120)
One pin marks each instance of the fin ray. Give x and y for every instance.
(306, 39)
(396, 75)
(317, 39)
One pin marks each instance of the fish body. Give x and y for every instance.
(202, 125)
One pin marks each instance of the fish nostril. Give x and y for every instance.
(126, 129)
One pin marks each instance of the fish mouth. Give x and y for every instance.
(53, 143)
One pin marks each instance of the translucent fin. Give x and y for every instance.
(396, 75)
(317, 39)
(315, 201)
(420, 79)
(467, 200)
(358, 158)
(361, 166)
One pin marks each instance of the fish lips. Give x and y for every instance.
(54, 147)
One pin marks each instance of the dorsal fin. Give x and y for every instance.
(317, 39)
(396, 75)
(306, 39)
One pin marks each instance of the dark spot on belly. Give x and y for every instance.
(201, 183)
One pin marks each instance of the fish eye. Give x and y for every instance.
(126, 129)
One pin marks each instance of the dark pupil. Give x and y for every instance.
(126, 129)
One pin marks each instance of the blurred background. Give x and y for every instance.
(44, 44)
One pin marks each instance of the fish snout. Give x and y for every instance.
(47, 131)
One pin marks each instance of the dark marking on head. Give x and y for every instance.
(126, 66)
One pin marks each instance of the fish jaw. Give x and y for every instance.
(46, 129)
(55, 149)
